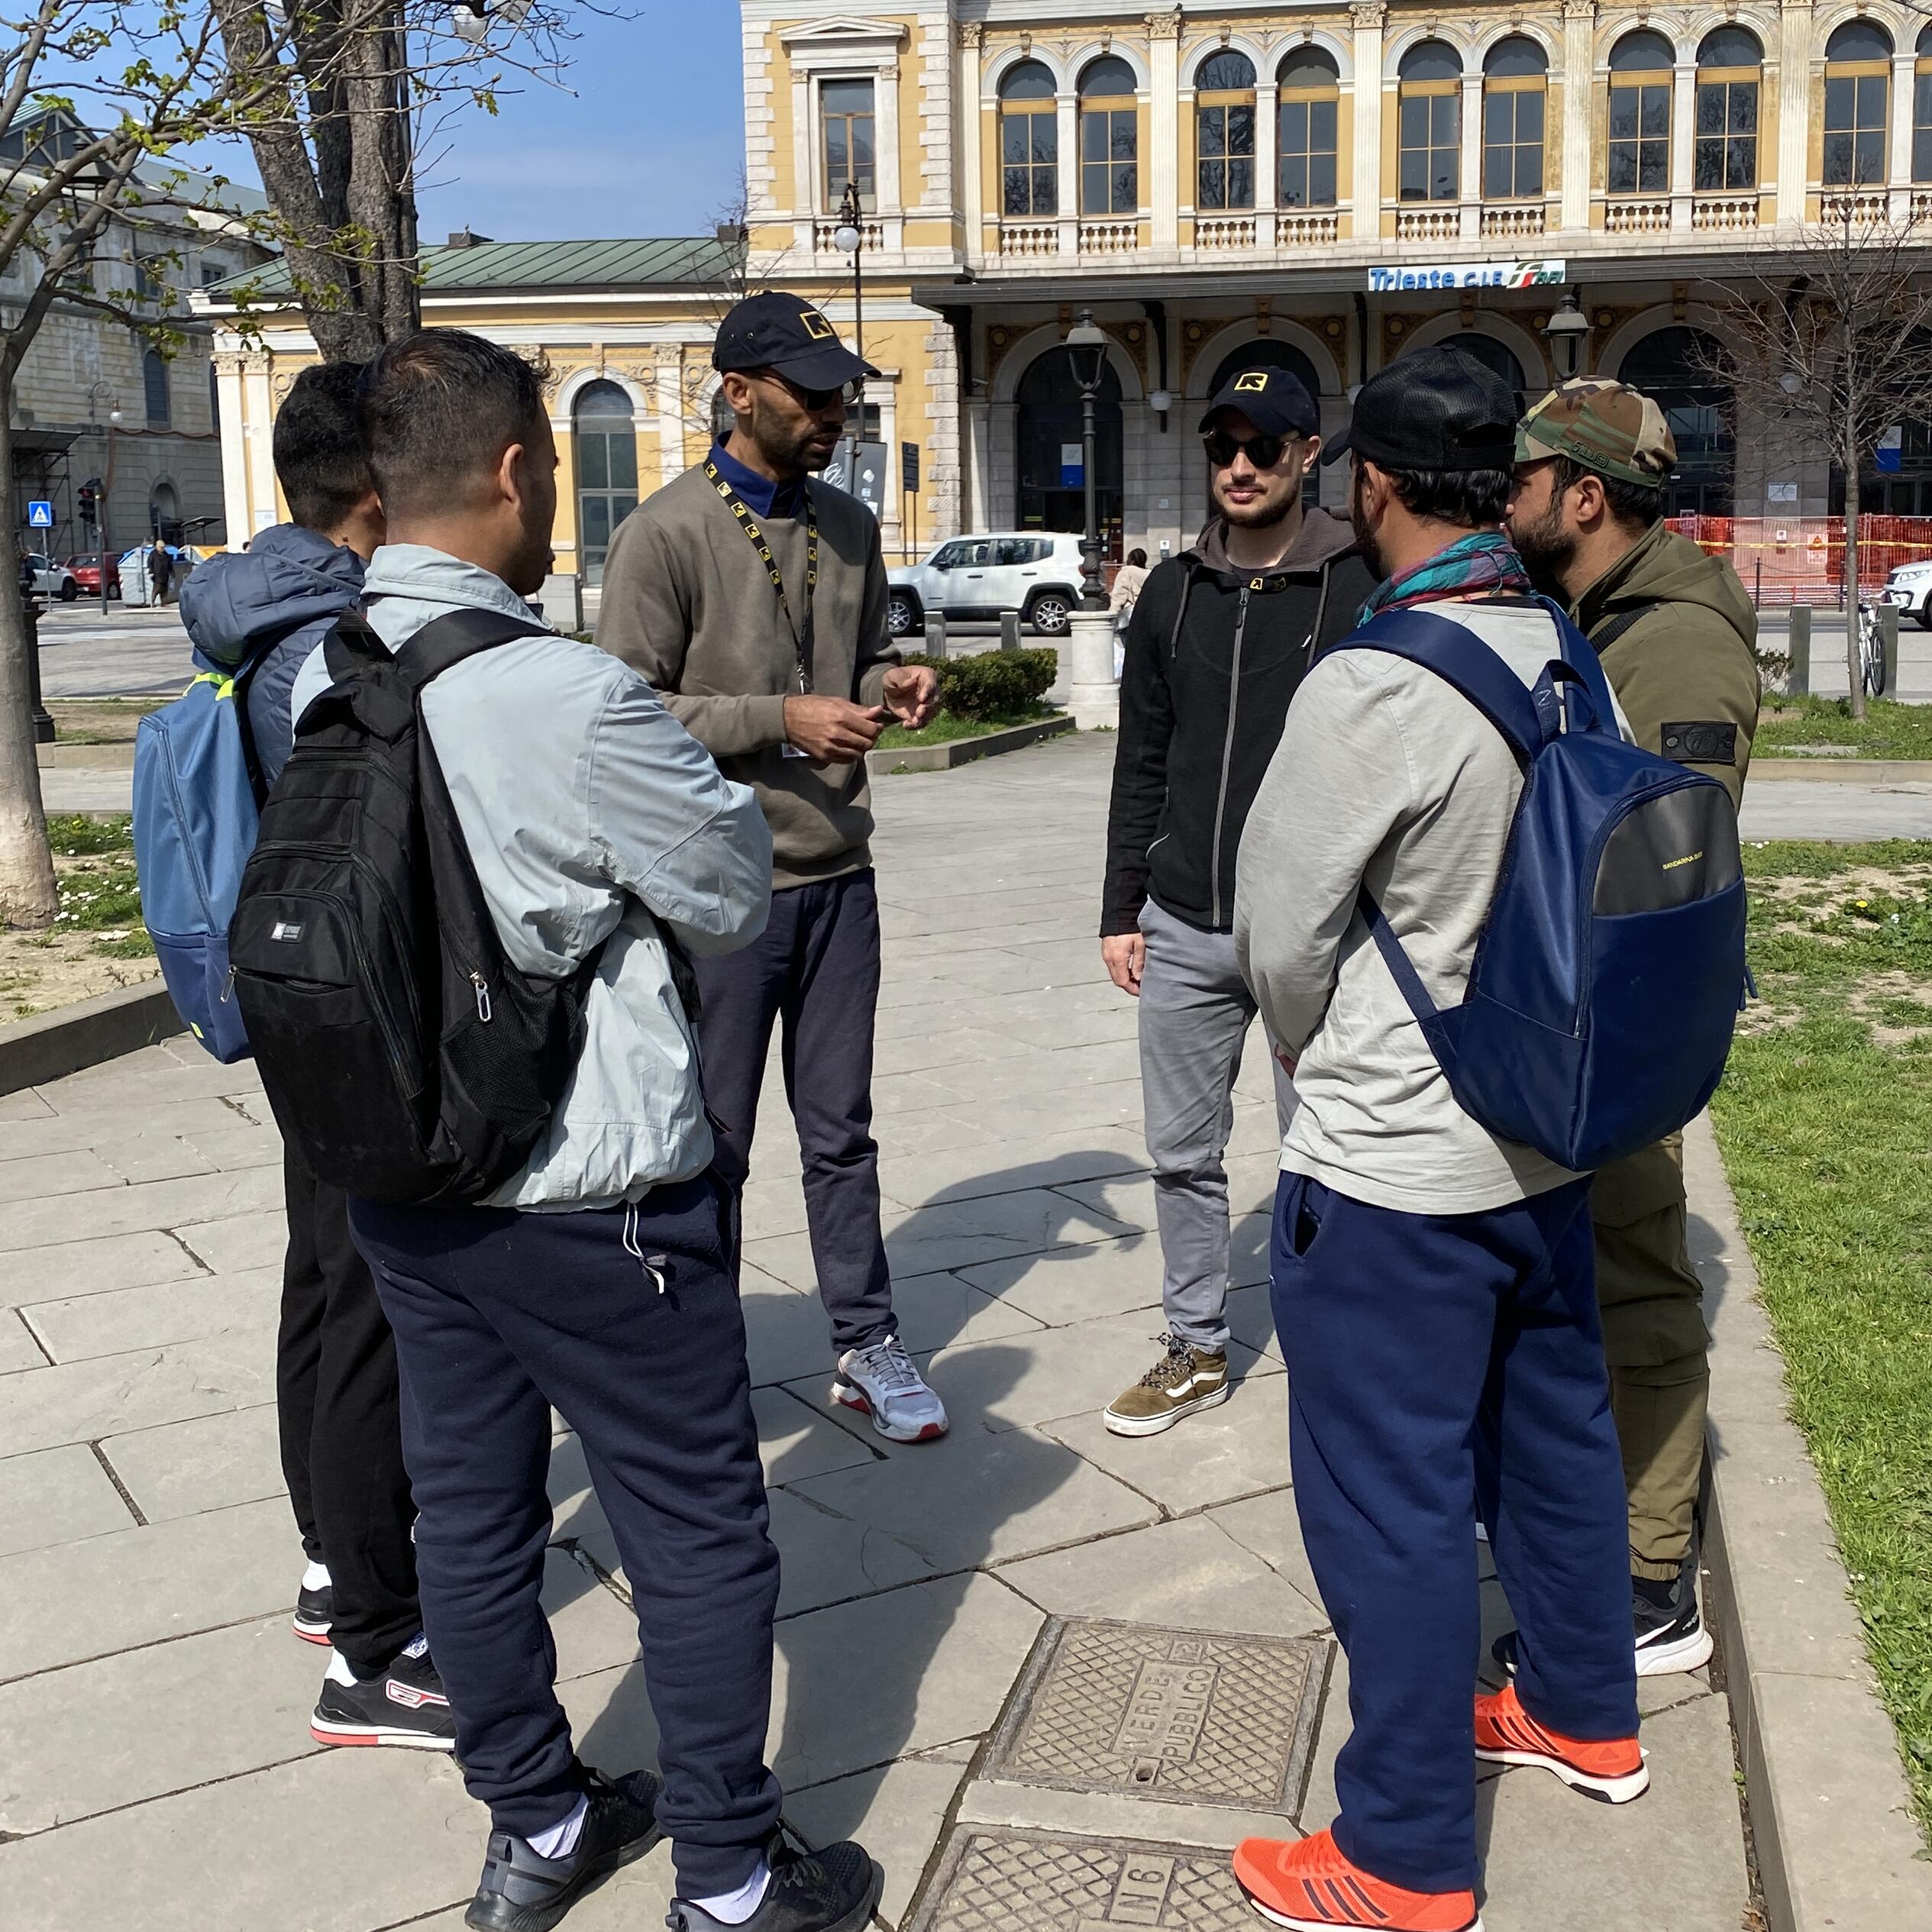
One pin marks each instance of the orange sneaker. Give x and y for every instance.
(1612, 1773)
(1307, 1884)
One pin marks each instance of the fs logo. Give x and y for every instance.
(1253, 383)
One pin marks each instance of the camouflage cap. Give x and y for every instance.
(1603, 427)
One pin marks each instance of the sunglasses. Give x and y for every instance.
(811, 401)
(1263, 452)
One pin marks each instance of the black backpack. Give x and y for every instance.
(406, 1059)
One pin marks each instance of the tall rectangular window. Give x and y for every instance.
(1306, 155)
(1855, 101)
(1922, 122)
(1512, 139)
(1110, 156)
(1430, 121)
(1639, 134)
(847, 109)
(1725, 160)
(1030, 159)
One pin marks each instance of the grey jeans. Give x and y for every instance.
(1195, 1011)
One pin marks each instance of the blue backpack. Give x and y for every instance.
(1609, 974)
(197, 810)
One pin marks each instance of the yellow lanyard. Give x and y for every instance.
(802, 642)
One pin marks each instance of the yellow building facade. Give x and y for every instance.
(1319, 187)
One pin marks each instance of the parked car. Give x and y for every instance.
(53, 579)
(1032, 571)
(86, 572)
(1909, 588)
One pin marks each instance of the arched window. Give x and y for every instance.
(1681, 371)
(154, 379)
(1224, 131)
(1640, 67)
(1922, 109)
(1048, 420)
(1497, 357)
(1515, 81)
(1308, 105)
(1429, 101)
(1029, 143)
(1729, 68)
(1110, 140)
(606, 471)
(1857, 96)
(164, 512)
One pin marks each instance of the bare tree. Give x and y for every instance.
(1835, 351)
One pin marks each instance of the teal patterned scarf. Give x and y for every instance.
(1482, 564)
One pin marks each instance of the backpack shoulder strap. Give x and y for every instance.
(352, 642)
(446, 642)
(1462, 660)
(1606, 635)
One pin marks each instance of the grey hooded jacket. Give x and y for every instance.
(286, 590)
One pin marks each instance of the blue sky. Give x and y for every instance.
(644, 136)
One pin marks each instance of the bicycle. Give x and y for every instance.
(1871, 650)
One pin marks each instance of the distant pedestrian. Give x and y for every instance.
(1128, 583)
(1432, 1283)
(161, 570)
(255, 617)
(1678, 636)
(754, 600)
(1221, 639)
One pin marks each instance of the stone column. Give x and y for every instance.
(1268, 172)
(1470, 131)
(1368, 16)
(1683, 141)
(670, 386)
(1794, 113)
(258, 412)
(234, 449)
(1905, 80)
(1579, 110)
(1163, 126)
(1067, 124)
(978, 454)
(969, 121)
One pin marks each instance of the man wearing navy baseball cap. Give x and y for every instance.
(1219, 640)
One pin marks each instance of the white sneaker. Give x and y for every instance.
(880, 1382)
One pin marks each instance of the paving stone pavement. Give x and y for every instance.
(156, 1770)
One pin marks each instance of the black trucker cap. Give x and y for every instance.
(1435, 409)
(1275, 400)
(785, 333)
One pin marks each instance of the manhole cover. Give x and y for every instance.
(992, 1881)
(1192, 1717)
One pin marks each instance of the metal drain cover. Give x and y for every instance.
(1190, 1717)
(999, 1881)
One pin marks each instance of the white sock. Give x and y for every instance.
(315, 1577)
(338, 1671)
(735, 1907)
(560, 1839)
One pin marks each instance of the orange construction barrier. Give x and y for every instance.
(1801, 560)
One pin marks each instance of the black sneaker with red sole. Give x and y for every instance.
(314, 1614)
(406, 1706)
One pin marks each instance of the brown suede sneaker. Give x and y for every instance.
(1184, 1379)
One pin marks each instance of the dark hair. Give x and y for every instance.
(1138, 557)
(1469, 497)
(319, 457)
(440, 408)
(1633, 505)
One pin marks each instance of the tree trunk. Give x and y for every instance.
(28, 894)
(1854, 662)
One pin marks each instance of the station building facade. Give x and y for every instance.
(1319, 187)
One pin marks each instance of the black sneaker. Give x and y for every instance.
(1669, 1629)
(315, 1612)
(831, 1891)
(406, 1705)
(521, 1891)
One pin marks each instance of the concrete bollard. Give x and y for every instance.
(936, 636)
(1094, 695)
(1797, 682)
(1888, 642)
(1010, 630)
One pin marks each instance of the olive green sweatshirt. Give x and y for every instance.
(688, 601)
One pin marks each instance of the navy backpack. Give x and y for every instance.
(1610, 971)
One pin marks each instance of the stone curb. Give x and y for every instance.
(1844, 771)
(51, 1046)
(85, 758)
(963, 750)
(1837, 1845)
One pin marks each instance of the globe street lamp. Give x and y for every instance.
(1086, 349)
(1564, 334)
(849, 239)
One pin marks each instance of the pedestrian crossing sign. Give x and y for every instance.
(39, 515)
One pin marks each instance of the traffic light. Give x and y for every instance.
(89, 496)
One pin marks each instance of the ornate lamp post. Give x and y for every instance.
(1087, 347)
(849, 239)
(1564, 333)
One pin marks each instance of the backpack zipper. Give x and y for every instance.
(484, 1011)
(1227, 749)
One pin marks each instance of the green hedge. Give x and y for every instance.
(996, 684)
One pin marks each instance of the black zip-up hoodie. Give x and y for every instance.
(1214, 656)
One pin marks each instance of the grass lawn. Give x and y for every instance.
(97, 942)
(1826, 1122)
(1890, 730)
(946, 729)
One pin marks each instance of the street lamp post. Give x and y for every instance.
(1564, 332)
(849, 239)
(101, 507)
(1087, 346)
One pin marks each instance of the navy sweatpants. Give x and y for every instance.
(814, 968)
(1418, 1346)
(499, 1315)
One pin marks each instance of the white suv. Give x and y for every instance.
(1031, 571)
(1909, 588)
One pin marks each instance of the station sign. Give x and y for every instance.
(1467, 275)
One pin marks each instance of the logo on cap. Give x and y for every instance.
(816, 326)
(1255, 379)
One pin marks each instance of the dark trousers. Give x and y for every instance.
(817, 968)
(499, 1317)
(1419, 1347)
(341, 1436)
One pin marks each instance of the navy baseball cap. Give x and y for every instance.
(1436, 409)
(1275, 401)
(785, 333)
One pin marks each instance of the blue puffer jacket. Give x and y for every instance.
(286, 590)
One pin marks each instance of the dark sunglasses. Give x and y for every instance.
(812, 400)
(1263, 452)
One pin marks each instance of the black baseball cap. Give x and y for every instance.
(785, 333)
(1435, 409)
(1275, 400)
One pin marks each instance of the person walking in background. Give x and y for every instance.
(1221, 638)
(1677, 635)
(1432, 1284)
(160, 569)
(1129, 581)
(597, 1280)
(755, 602)
(257, 615)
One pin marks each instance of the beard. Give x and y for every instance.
(1364, 530)
(1269, 513)
(790, 448)
(1547, 549)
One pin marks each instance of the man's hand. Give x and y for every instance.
(1125, 954)
(912, 694)
(832, 731)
